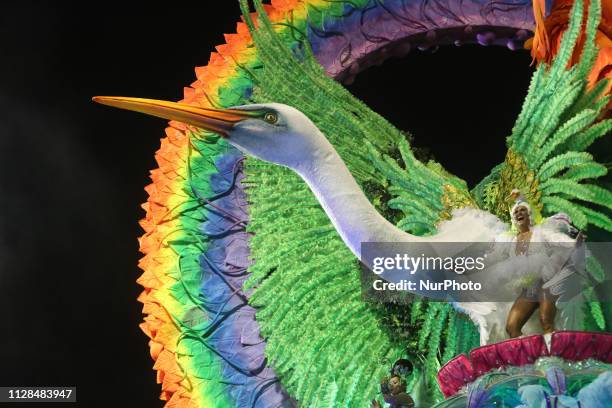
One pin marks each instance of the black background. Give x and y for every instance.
(72, 173)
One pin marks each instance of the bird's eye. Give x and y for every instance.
(270, 117)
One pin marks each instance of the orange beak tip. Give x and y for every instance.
(102, 100)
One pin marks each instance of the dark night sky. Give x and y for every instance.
(72, 173)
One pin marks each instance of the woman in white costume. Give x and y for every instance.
(529, 263)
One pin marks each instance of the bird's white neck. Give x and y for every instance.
(351, 213)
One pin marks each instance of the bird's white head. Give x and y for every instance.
(278, 134)
(272, 132)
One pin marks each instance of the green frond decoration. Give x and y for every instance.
(585, 171)
(589, 51)
(598, 219)
(595, 309)
(548, 115)
(595, 269)
(589, 98)
(450, 349)
(531, 101)
(567, 130)
(405, 203)
(585, 192)
(558, 204)
(597, 313)
(586, 138)
(429, 186)
(563, 161)
(430, 317)
(468, 335)
(570, 37)
(432, 358)
(417, 311)
(329, 394)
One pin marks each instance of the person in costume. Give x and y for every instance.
(528, 261)
(524, 305)
(394, 387)
(394, 393)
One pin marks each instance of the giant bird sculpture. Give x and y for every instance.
(272, 174)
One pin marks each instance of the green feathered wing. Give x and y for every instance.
(328, 346)
(547, 152)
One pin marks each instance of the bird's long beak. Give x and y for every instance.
(219, 121)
